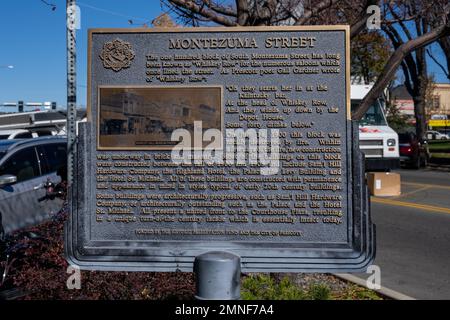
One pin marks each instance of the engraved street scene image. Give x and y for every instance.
(146, 117)
(224, 151)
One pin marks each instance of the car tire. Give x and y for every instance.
(2, 230)
(415, 163)
(424, 162)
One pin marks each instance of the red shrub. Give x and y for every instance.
(41, 273)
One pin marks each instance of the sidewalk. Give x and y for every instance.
(392, 294)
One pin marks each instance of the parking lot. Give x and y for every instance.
(413, 238)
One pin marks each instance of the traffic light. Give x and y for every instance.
(53, 105)
(20, 106)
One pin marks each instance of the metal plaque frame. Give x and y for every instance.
(354, 255)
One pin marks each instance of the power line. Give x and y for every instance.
(130, 19)
(110, 12)
(52, 5)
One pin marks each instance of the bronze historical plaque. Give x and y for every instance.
(230, 139)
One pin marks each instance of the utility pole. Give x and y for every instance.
(71, 88)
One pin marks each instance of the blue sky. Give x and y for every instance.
(33, 40)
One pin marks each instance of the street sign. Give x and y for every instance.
(439, 123)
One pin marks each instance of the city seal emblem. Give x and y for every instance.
(117, 55)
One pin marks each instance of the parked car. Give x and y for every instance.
(436, 135)
(26, 167)
(439, 117)
(25, 134)
(413, 152)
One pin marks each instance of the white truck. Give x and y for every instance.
(377, 140)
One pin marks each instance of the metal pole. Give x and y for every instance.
(71, 88)
(217, 276)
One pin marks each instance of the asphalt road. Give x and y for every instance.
(413, 235)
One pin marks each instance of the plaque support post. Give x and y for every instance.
(217, 276)
(71, 89)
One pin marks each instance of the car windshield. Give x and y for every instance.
(4, 136)
(5, 144)
(373, 117)
(404, 137)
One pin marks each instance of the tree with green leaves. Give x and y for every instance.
(369, 52)
(397, 120)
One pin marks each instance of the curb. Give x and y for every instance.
(12, 294)
(383, 290)
(438, 167)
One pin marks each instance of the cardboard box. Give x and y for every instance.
(384, 184)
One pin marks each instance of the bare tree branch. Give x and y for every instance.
(409, 62)
(444, 43)
(358, 26)
(407, 82)
(400, 22)
(243, 12)
(360, 23)
(447, 74)
(321, 6)
(220, 9)
(203, 11)
(431, 17)
(393, 63)
(267, 12)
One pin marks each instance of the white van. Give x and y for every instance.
(377, 140)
